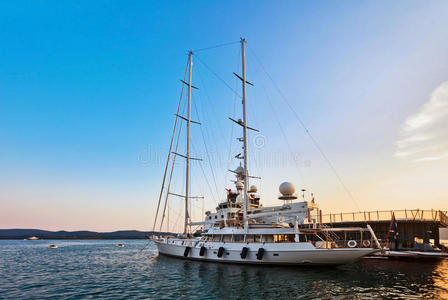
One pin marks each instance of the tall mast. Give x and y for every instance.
(187, 177)
(246, 173)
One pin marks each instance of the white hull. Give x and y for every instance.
(274, 253)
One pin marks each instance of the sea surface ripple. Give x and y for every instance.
(100, 269)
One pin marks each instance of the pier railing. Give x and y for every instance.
(383, 215)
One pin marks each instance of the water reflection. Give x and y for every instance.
(370, 278)
(100, 269)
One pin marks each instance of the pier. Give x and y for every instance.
(418, 229)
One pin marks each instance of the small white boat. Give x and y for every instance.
(120, 245)
(52, 246)
(410, 254)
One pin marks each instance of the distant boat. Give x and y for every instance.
(120, 245)
(52, 246)
(32, 238)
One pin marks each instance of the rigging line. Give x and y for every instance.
(231, 140)
(257, 163)
(207, 152)
(307, 131)
(216, 46)
(232, 125)
(302, 179)
(206, 180)
(216, 75)
(172, 168)
(287, 143)
(211, 112)
(169, 152)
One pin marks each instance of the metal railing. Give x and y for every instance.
(383, 215)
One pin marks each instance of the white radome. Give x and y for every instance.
(239, 185)
(253, 189)
(239, 170)
(287, 188)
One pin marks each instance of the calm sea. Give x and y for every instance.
(99, 269)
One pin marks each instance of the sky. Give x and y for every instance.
(88, 92)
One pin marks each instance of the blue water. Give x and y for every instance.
(99, 269)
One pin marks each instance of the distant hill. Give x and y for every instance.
(15, 234)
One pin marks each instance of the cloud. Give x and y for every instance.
(424, 134)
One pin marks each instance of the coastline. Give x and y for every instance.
(21, 234)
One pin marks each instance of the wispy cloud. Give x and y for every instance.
(424, 134)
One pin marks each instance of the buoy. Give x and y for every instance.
(202, 251)
(187, 250)
(352, 244)
(366, 243)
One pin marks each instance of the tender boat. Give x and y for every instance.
(244, 231)
(120, 245)
(411, 255)
(52, 246)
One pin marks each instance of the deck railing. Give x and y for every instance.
(383, 215)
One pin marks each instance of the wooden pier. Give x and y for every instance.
(418, 229)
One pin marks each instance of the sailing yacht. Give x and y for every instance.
(244, 231)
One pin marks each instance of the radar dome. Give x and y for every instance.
(239, 185)
(287, 188)
(239, 170)
(253, 189)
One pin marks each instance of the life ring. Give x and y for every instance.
(352, 244)
(366, 243)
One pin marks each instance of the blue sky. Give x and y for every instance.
(88, 89)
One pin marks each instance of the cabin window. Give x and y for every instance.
(210, 218)
(257, 238)
(222, 216)
(268, 238)
(217, 238)
(238, 238)
(249, 238)
(284, 238)
(216, 217)
(227, 238)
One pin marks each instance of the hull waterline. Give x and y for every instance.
(273, 254)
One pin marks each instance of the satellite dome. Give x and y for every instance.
(287, 189)
(239, 185)
(253, 189)
(239, 170)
